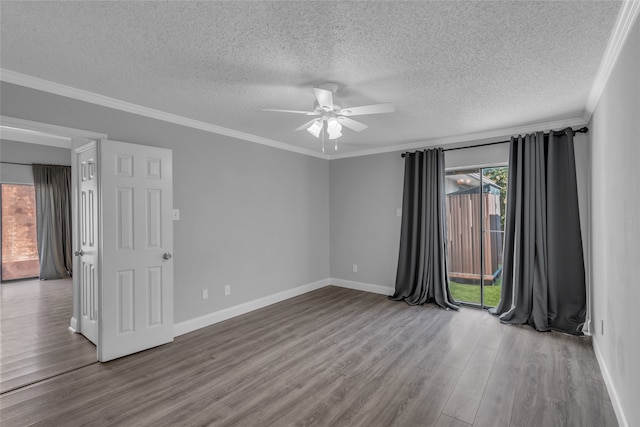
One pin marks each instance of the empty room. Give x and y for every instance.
(356, 213)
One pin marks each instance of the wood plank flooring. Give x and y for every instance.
(36, 341)
(334, 357)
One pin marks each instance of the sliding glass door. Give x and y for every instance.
(475, 203)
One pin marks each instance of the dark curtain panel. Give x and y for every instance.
(53, 220)
(544, 278)
(422, 264)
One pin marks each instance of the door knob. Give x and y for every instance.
(166, 255)
(79, 253)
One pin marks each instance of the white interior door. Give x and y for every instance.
(136, 299)
(88, 239)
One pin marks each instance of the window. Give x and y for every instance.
(19, 244)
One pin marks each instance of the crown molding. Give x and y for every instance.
(626, 18)
(476, 136)
(86, 96)
(25, 80)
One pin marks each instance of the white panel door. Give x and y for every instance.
(87, 166)
(137, 245)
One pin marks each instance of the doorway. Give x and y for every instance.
(476, 205)
(36, 315)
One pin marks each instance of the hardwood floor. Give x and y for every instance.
(334, 357)
(36, 341)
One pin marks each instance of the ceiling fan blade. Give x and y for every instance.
(368, 109)
(308, 113)
(324, 97)
(306, 125)
(351, 124)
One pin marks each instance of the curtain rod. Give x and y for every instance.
(30, 164)
(14, 163)
(581, 130)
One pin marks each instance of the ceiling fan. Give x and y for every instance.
(333, 117)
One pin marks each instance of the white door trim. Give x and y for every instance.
(13, 125)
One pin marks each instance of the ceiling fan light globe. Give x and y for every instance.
(335, 135)
(314, 132)
(315, 128)
(333, 125)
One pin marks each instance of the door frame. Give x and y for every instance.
(65, 137)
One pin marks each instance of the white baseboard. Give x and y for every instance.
(73, 325)
(360, 286)
(227, 313)
(613, 395)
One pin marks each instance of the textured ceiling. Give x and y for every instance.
(451, 68)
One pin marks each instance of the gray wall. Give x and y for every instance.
(615, 210)
(365, 194)
(22, 152)
(251, 216)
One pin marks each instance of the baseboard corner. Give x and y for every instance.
(73, 325)
(361, 286)
(613, 394)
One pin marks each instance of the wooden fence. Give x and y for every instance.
(463, 237)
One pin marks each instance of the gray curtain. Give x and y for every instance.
(543, 278)
(422, 263)
(53, 220)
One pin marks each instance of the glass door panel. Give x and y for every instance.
(475, 234)
(494, 209)
(463, 235)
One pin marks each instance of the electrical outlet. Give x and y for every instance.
(355, 268)
(227, 289)
(205, 294)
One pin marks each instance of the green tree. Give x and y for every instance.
(500, 176)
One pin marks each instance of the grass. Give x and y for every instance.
(471, 293)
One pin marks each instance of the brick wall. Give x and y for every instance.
(19, 246)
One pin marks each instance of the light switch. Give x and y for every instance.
(398, 212)
(176, 214)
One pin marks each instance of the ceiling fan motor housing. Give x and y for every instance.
(317, 107)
